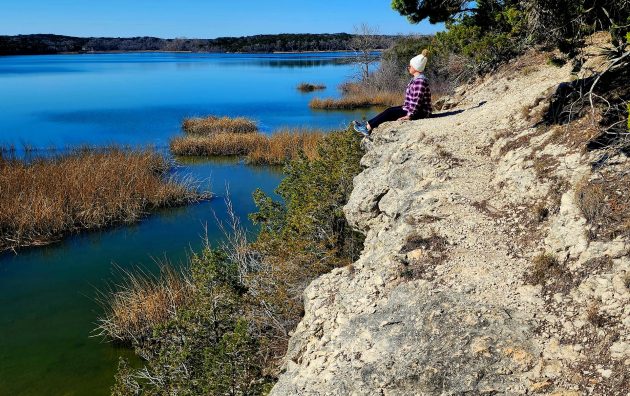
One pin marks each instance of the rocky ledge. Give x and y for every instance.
(454, 209)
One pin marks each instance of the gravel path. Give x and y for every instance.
(437, 303)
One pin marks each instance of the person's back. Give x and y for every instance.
(418, 98)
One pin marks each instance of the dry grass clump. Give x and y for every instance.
(260, 149)
(595, 317)
(141, 303)
(578, 133)
(357, 101)
(217, 144)
(605, 204)
(545, 266)
(285, 145)
(351, 88)
(422, 255)
(541, 212)
(487, 209)
(518, 142)
(591, 198)
(359, 95)
(44, 198)
(213, 125)
(307, 87)
(448, 157)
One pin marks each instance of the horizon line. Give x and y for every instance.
(206, 38)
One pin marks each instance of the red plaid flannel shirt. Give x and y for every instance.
(418, 98)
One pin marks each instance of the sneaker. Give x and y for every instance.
(361, 127)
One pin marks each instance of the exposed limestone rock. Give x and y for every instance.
(566, 234)
(437, 304)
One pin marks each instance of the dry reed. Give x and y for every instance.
(285, 145)
(141, 303)
(44, 198)
(213, 125)
(307, 87)
(277, 149)
(217, 144)
(357, 100)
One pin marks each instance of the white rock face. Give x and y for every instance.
(464, 321)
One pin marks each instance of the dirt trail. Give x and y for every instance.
(438, 302)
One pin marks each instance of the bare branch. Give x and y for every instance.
(364, 43)
(235, 242)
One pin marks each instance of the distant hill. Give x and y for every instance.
(53, 44)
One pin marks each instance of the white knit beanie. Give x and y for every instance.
(419, 62)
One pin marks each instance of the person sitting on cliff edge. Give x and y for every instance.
(417, 99)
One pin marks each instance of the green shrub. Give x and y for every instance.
(406, 48)
(303, 236)
(207, 348)
(566, 23)
(484, 46)
(230, 366)
(314, 193)
(125, 383)
(488, 32)
(478, 36)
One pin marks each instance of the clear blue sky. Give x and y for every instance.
(199, 18)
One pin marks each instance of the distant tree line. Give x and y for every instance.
(54, 44)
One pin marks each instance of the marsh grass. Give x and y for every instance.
(141, 302)
(307, 87)
(215, 125)
(219, 144)
(285, 145)
(46, 197)
(279, 148)
(355, 100)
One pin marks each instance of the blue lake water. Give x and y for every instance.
(142, 98)
(47, 295)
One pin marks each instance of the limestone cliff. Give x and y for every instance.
(454, 209)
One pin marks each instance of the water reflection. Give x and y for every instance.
(8, 70)
(293, 63)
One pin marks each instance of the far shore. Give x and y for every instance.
(283, 43)
(184, 52)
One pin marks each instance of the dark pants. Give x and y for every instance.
(391, 114)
